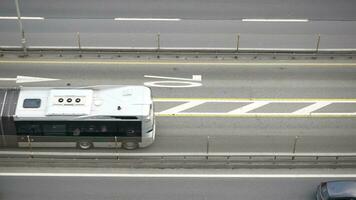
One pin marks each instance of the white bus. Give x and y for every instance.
(84, 117)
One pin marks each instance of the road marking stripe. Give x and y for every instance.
(173, 63)
(180, 175)
(259, 115)
(249, 107)
(247, 100)
(146, 19)
(182, 107)
(11, 17)
(312, 108)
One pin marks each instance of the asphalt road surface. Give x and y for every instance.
(202, 24)
(221, 81)
(193, 9)
(180, 34)
(260, 79)
(92, 188)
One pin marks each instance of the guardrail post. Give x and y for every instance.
(295, 145)
(317, 44)
(78, 40)
(23, 38)
(117, 147)
(207, 147)
(238, 43)
(29, 145)
(158, 41)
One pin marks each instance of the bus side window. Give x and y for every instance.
(54, 129)
(29, 129)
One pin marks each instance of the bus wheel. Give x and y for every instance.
(85, 145)
(130, 145)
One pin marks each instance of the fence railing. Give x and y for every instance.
(230, 43)
(181, 160)
(198, 151)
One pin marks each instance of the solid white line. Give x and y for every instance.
(227, 100)
(33, 18)
(182, 107)
(142, 175)
(275, 20)
(312, 108)
(146, 19)
(249, 107)
(8, 79)
(216, 114)
(194, 78)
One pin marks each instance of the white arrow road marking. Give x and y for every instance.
(174, 82)
(170, 84)
(27, 79)
(249, 107)
(194, 78)
(312, 108)
(182, 107)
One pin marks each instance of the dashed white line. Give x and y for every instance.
(312, 108)
(146, 19)
(182, 107)
(30, 18)
(249, 107)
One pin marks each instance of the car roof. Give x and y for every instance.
(341, 188)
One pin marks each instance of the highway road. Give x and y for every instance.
(185, 128)
(193, 9)
(219, 79)
(56, 187)
(180, 34)
(187, 24)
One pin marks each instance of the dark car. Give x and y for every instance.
(336, 190)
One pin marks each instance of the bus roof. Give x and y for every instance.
(83, 102)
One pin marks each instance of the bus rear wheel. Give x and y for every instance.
(85, 145)
(130, 145)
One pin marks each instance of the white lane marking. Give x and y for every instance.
(267, 114)
(319, 64)
(182, 107)
(33, 18)
(275, 20)
(197, 77)
(249, 107)
(146, 19)
(27, 79)
(194, 78)
(180, 175)
(312, 108)
(252, 100)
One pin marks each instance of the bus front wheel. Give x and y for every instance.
(85, 145)
(130, 145)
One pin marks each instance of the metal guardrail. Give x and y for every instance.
(166, 155)
(84, 49)
(178, 160)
